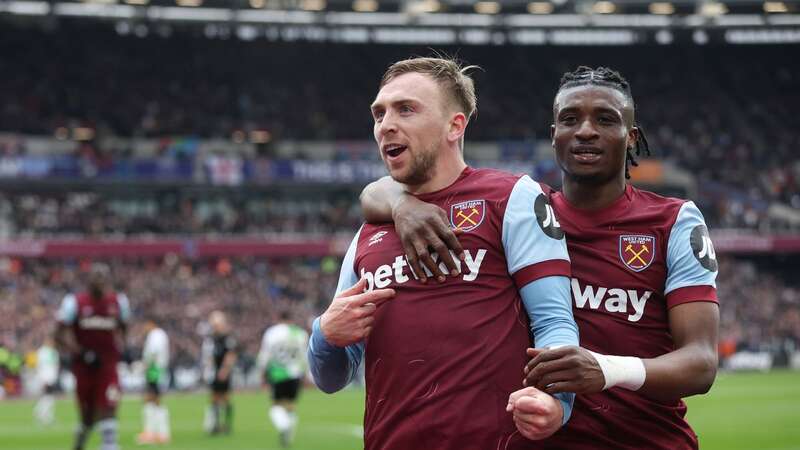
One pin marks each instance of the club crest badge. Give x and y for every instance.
(637, 251)
(467, 215)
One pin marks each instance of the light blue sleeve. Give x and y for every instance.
(549, 306)
(124, 308)
(68, 311)
(691, 260)
(532, 234)
(334, 367)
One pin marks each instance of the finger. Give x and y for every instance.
(535, 375)
(451, 241)
(561, 376)
(514, 396)
(530, 405)
(558, 387)
(425, 258)
(366, 322)
(354, 289)
(534, 352)
(367, 309)
(545, 355)
(437, 246)
(367, 331)
(412, 258)
(376, 297)
(447, 257)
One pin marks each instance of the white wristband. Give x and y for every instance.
(624, 371)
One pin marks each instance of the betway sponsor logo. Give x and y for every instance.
(613, 299)
(98, 323)
(400, 272)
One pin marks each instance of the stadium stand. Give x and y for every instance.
(113, 141)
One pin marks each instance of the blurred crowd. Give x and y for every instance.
(759, 305)
(92, 214)
(759, 309)
(181, 293)
(730, 124)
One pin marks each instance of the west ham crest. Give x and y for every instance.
(467, 215)
(637, 251)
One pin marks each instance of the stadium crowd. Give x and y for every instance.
(93, 214)
(759, 306)
(180, 292)
(728, 123)
(759, 309)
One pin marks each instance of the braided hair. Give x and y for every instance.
(603, 76)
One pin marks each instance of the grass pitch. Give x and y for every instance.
(749, 411)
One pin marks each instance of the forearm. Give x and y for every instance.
(549, 308)
(548, 304)
(691, 368)
(377, 199)
(332, 367)
(687, 371)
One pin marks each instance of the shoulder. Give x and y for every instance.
(494, 178)
(274, 330)
(651, 198)
(667, 208)
(369, 235)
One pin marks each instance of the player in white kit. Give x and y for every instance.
(155, 356)
(47, 367)
(282, 360)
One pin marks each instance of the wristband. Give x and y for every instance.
(624, 371)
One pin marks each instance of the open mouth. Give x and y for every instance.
(394, 151)
(586, 154)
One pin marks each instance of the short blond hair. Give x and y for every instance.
(449, 73)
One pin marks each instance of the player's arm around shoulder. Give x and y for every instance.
(423, 228)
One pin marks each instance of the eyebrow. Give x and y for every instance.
(605, 109)
(376, 106)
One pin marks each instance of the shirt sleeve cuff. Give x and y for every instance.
(687, 294)
(566, 399)
(553, 267)
(318, 342)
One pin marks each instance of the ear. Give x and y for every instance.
(553, 135)
(633, 136)
(458, 126)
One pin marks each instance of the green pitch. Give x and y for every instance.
(742, 412)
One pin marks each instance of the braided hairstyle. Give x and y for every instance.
(603, 76)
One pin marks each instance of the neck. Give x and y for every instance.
(586, 195)
(445, 172)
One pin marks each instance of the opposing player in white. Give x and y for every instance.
(155, 357)
(47, 375)
(282, 360)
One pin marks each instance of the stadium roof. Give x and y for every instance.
(479, 22)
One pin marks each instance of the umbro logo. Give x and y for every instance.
(377, 237)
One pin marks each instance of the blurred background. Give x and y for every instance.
(212, 151)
